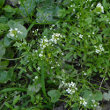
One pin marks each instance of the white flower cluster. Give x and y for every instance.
(82, 101)
(36, 78)
(52, 26)
(13, 33)
(95, 104)
(99, 5)
(84, 73)
(35, 31)
(80, 36)
(99, 49)
(71, 87)
(56, 37)
(41, 54)
(44, 43)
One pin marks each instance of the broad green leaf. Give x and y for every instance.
(98, 96)
(47, 14)
(3, 19)
(7, 41)
(27, 7)
(106, 96)
(88, 95)
(55, 95)
(5, 76)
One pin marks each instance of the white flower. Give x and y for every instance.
(82, 101)
(13, 32)
(89, 36)
(38, 68)
(99, 49)
(68, 91)
(95, 104)
(36, 51)
(84, 73)
(40, 55)
(74, 10)
(56, 37)
(36, 77)
(44, 42)
(71, 88)
(81, 36)
(52, 67)
(99, 5)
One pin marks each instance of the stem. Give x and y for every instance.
(43, 80)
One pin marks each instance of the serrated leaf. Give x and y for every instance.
(55, 95)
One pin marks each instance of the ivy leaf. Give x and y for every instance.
(55, 95)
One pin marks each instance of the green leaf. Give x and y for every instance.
(16, 99)
(2, 50)
(55, 95)
(5, 76)
(47, 14)
(3, 64)
(3, 19)
(8, 105)
(7, 41)
(75, 106)
(33, 88)
(88, 95)
(98, 96)
(3, 28)
(2, 3)
(27, 7)
(106, 96)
